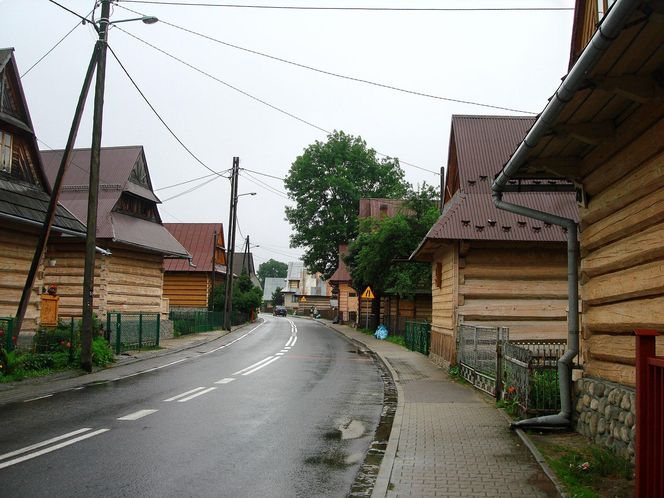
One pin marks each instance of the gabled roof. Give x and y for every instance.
(20, 201)
(341, 274)
(480, 145)
(243, 260)
(270, 285)
(199, 240)
(295, 269)
(117, 170)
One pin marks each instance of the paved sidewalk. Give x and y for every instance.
(447, 440)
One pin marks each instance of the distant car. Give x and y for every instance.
(280, 311)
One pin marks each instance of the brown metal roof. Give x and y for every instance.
(482, 145)
(374, 207)
(198, 239)
(341, 274)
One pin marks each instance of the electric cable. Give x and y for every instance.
(192, 180)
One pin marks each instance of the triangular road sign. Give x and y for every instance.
(367, 294)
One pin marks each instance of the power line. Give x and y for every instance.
(336, 75)
(266, 186)
(192, 180)
(369, 9)
(84, 19)
(263, 174)
(195, 187)
(159, 116)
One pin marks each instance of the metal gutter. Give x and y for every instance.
(610, 27)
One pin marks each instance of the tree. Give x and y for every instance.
(271, 268)
(277, 297)
(246, 297)
(327, 182)
(381, 241)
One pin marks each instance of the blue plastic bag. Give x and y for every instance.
(381, 332)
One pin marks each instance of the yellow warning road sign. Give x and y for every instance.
(303, 299)
(367, 294)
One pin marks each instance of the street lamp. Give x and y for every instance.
(93, 189)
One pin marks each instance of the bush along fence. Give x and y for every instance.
(524, 374)
(193, 321)
(127, 331)
(418, 336)
(7, 338)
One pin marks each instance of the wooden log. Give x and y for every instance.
(625, 253)
(636, 217)
(484, 288)
(506, 309)
(620, 374)
(527, 329)
(624, 317)
(648, 178)
(639, 281)
(525, 272)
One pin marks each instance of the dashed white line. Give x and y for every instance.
(261, 366)
(185, 394)
(199, 393)
(38, 397)
(225, 381)
(294, 341)
(43, 443)
(137, 415)
(252, 366)
(29, 456)
(279, 354)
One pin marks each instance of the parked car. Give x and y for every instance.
(280, 311)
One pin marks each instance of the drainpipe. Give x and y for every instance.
(564, 417)
(610, 27)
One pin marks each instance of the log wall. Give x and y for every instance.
(622, 255)
(187, 289)
(16, 251)
(518, 285)
(443, 305)
(347, 301)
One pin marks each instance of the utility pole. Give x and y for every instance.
(93, 191)
(245, 256)
(214, 271)
(232, 219)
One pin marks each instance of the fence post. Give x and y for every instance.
(140, 330)
(499, 370)
(158, 328)
(118, 332)
(71, 340)
(646, 454)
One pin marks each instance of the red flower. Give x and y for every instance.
(511, 390)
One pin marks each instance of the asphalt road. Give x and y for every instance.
(285, 409)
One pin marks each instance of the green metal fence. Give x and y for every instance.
(191, 322)
(418, 336)
(129, 331)
(7, 339)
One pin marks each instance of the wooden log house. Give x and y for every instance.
(130, 278)
(190, 285)
(343, 290)
(24, 198)
(490, 267)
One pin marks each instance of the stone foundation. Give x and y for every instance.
(606, 413)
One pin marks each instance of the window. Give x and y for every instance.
(439, 275)
(5, 152)
(293, 298)
(352, 294)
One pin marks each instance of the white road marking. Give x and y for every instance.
(234, 341)
(279, 354)
(137, 415)
(200, 393)
(294, 341)
(261, 366)
(287, 348)
(290, 339)
(52, 448)
(225, 381)
(252, 366)
(185, 394)
(38, 397)
(43, 443)
(284, 351)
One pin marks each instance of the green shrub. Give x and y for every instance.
(102, 354)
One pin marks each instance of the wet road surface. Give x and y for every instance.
(287, 408)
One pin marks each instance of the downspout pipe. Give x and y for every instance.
(611, 26)
(564, 417)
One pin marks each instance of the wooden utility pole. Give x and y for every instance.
(214, 272)
(93, 191)
(232, 219)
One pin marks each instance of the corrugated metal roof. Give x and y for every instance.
(483, 145)
(295, 269)
(145, 235)
(270, 285)
(198, 239)
(245, 260)
(341, 274)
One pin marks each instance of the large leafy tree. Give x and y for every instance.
(271, 268)
(327, 182)
(246, 297)
(372, 255)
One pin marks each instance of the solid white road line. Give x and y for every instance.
(284, 351)
(200, 393)
(38, 397)
(261, 366)
(279, 354)
(43, 443)
(185, 394)
(294, 341)
(252, 366)
(137, 415)
(290, 339)
(225, 381)
(52, 448)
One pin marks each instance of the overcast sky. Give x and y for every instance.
(511, 59)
